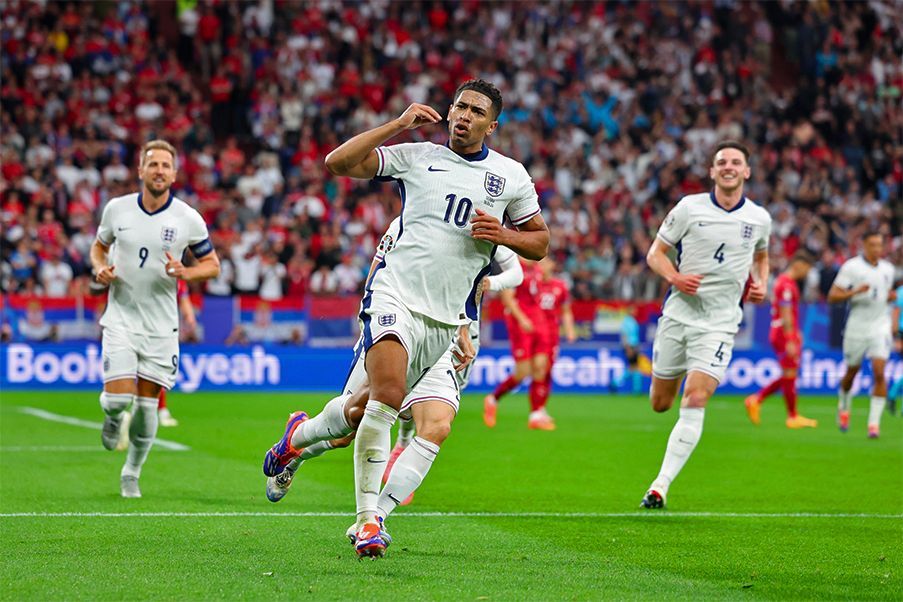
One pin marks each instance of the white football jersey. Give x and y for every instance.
(718, 244)
(436, 265)
(142, 299)
(870, 311)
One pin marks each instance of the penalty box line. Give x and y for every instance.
(644, 515)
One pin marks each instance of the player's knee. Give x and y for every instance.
(435, 432)
(661, 403)
(696, 398)
(391, 393)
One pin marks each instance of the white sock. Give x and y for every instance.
(406, 430)
(371, 451)
(407, 474)
(311, 451)
(876, 409)
(844, 400)
(328, 424)
(114, 404)
(684, 437)
(142, 432)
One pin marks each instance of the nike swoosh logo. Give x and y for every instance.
(431, 168)
(121, 229)
(372, 461)
(394, 499)
(682, 441)
(701, 224)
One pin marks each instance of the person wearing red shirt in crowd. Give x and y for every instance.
(528, 332)
(555, 304)
(786, 340)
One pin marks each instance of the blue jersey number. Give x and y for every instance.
(719, 254)
(459, 211)
(142, 255)
(719, 354)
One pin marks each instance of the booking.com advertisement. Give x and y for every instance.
(287, 368)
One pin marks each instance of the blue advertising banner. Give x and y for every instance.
(291, 368)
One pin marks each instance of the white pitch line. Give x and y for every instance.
(649, 515)
(58, 448)
(45, 415)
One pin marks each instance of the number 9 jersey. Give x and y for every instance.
(436, 265)
(719, 244)
(142, 299)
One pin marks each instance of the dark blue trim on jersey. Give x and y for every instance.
(680, 249)
(200, 249)
(477, 156)
(717, 204)
(366, 335)
(161, 209)
(470, 306)
(385, 178)
(358, 349)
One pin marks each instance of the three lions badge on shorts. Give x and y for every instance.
(386, 319)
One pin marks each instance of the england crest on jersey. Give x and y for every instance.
(168, 234)
(746, 233)
(495, 185)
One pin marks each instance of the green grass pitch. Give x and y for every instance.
(758, 513)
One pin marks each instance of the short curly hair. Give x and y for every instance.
(485, 88)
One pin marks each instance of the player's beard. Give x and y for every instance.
(158, 190)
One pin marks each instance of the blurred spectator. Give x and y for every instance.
(55, 275)
(612, 107)
(33, 327)
(264, 330)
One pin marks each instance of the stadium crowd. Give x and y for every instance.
(613, 107)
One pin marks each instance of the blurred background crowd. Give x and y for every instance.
(613, 107)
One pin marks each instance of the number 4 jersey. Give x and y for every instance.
(436, 265)
(142, 299)
(720, 245)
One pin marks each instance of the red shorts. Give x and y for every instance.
(778, 342)
(525, 345)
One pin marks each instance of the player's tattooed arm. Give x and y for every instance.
(530, 240)
(658, 260)
(357, 158)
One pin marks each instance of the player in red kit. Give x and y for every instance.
(786, 339)
(527, 330)
(555, 303)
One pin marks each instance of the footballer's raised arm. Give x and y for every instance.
(357, 158)
(530, 240)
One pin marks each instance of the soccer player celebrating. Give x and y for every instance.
(866, 281)
(528, 332)
(719, 237)
(454, 198)
(151, 229)
(334, 427)
(786, 340)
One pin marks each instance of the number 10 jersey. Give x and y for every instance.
(436, 264)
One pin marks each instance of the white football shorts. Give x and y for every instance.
(679, 349)
(440, 383)
(125, 355)
(423, 338)
(855, 349)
